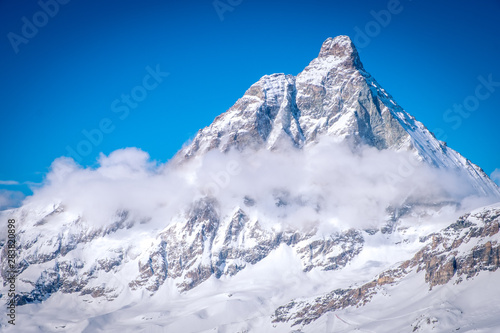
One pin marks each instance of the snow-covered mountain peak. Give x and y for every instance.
(334, 96)
(342, 49)
(337, 59)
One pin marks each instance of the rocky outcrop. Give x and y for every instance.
(52, 251)
(461, 251)
(333, 252)
(443, 259)
(208, 246)
(333, 96)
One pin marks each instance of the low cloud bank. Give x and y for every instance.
(325, 183)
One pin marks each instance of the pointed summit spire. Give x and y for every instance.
(341, 47)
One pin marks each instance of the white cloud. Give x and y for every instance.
(495, 176)
(9, 182)
(10, 199)
(326, 183)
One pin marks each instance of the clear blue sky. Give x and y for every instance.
(65, 77)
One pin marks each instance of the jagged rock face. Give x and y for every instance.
(333, 96)
(461, 251)
(261, 117)
(204, 244)
(336, 96)
(208, 245)
(443, 258)
(53, 253)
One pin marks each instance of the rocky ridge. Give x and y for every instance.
(461, 251)
(333, 96)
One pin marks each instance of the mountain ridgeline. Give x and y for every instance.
(333, 96)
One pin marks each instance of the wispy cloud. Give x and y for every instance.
(325, 183)
(9, 182)
(10, 199)
(29, 183)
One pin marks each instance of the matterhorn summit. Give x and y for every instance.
(333, 96)
(316, 203)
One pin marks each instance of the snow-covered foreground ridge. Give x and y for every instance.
(310, 205)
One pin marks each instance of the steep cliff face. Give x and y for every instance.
(333, 96)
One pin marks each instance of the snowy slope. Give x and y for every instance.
(405, 296)
(442, 288)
